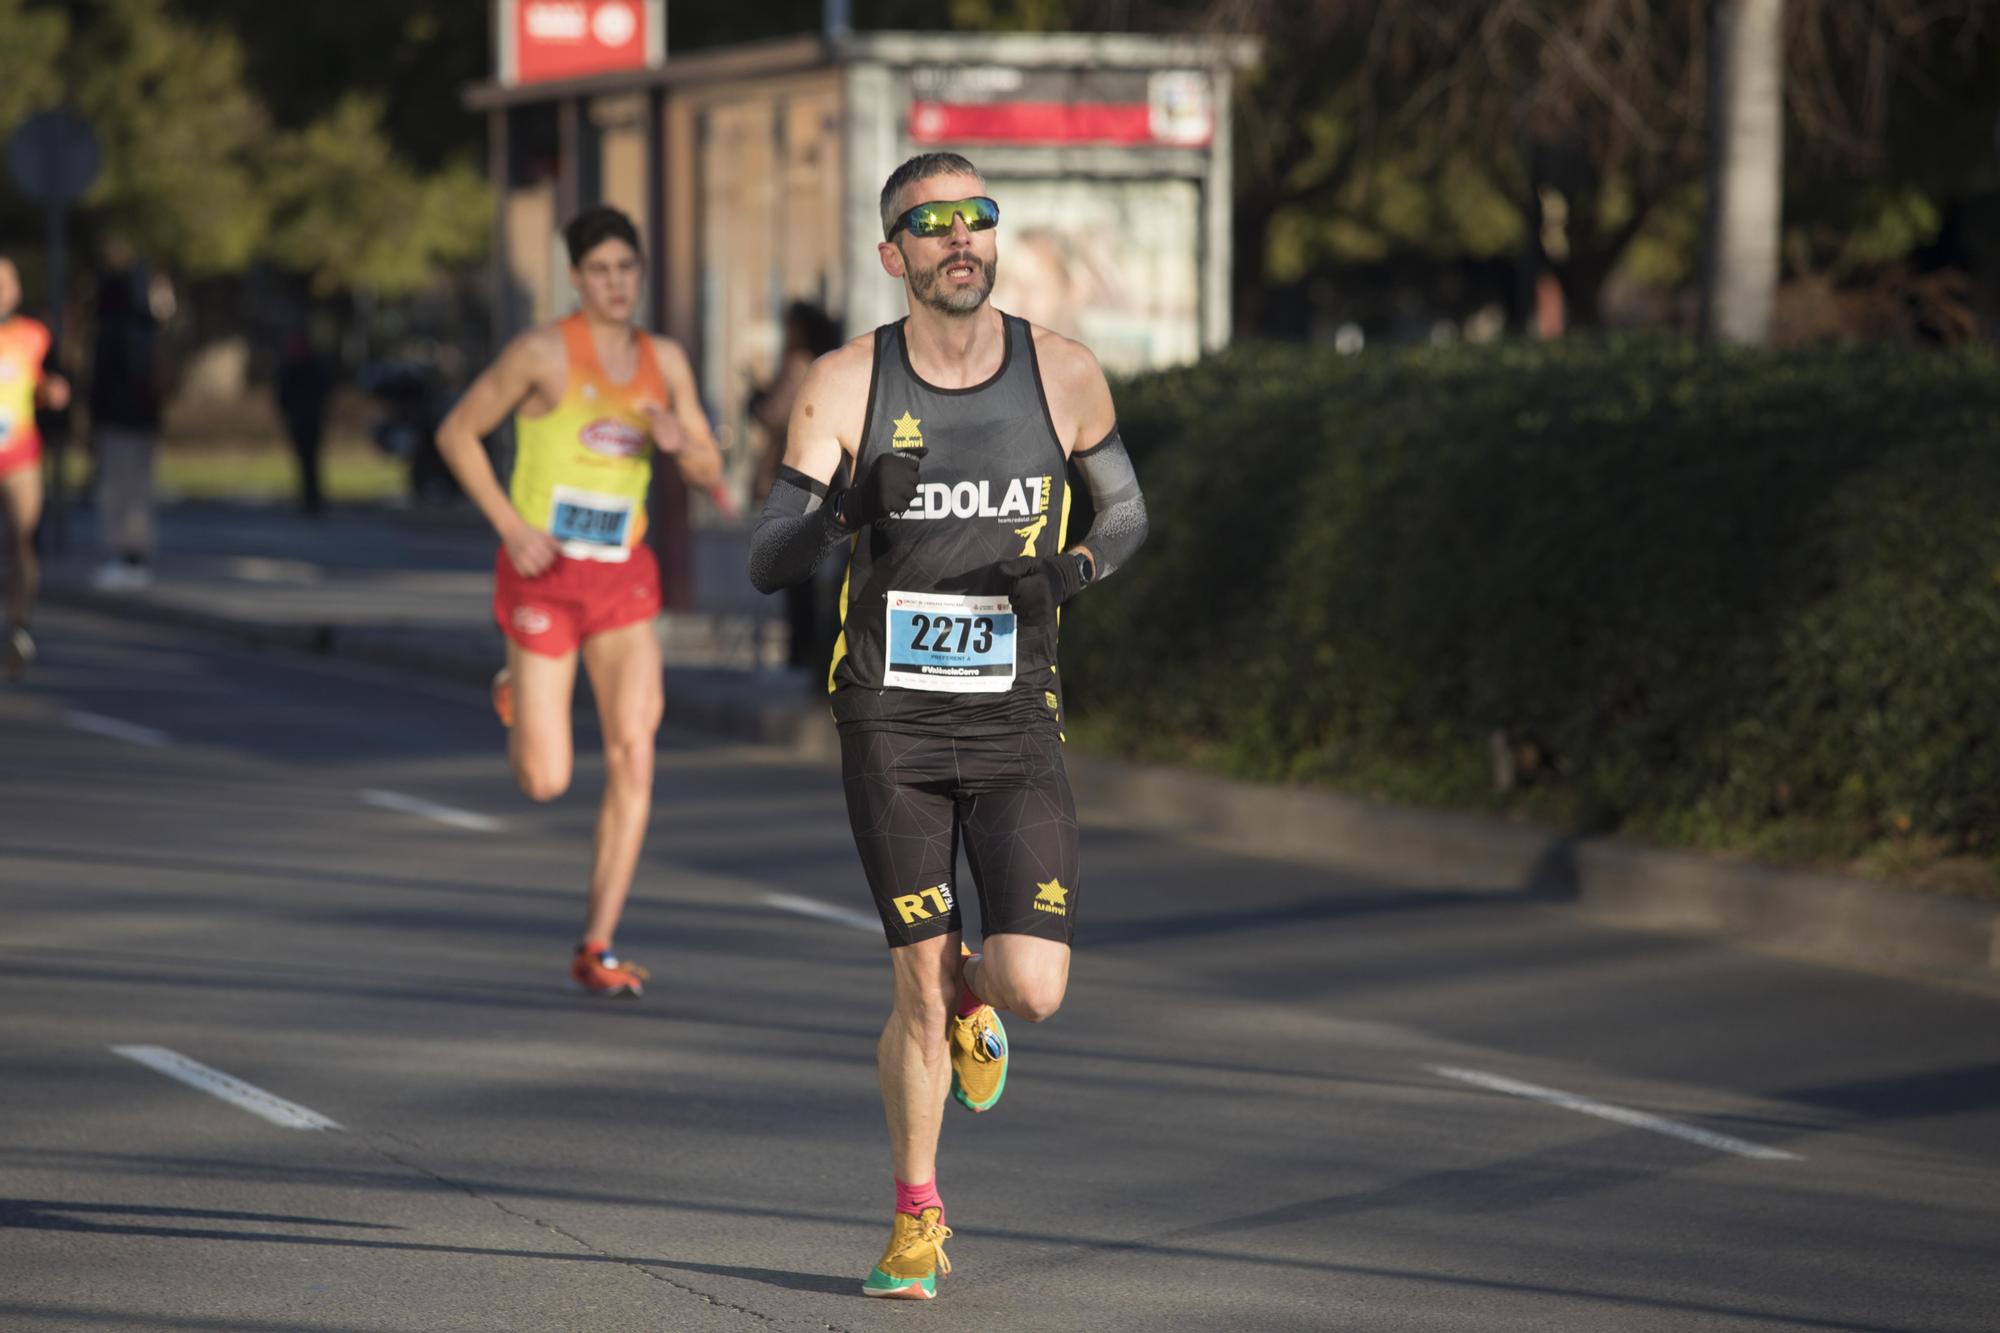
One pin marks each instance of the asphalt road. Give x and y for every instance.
(1276, 1100)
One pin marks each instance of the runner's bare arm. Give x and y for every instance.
(519, 376)
(691, 446)
(797, 525)
(1087, 424)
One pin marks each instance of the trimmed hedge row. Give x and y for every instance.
(1715, 598)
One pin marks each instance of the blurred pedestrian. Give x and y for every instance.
(127, 384)
(25, 384)
(305, 389)
(811, 607)
(594, 400)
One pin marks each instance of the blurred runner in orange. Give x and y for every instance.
(24, 386)
(593, 399)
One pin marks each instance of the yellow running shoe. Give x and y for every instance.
(978, 1059)
(915, 1259)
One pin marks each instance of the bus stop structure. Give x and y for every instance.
(754, 173)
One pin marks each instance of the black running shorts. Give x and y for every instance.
(911, 798)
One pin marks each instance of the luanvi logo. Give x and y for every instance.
(907, 435)
(1052, 898)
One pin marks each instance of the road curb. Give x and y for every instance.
(1825, 917)
(1822, 917)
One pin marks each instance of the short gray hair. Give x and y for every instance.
(921, 167)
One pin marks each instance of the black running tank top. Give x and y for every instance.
(991, 486)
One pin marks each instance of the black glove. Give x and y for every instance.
(1037, 585)
(887, 488)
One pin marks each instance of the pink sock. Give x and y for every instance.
(913, 1199)
(967, 1001)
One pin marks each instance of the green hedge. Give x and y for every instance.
(1726, 599)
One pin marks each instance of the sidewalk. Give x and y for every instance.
(411, 589)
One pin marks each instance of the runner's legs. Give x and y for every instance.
(21, 496)
(624, 667)
(912, 1057)
(539, 744)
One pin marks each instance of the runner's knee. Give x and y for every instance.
(541, 780)
(1035, 1000)
(629, 763)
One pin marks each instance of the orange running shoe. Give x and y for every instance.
(503, 696)
(598, 971)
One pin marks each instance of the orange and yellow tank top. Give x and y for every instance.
(23, 344)
(581, 472)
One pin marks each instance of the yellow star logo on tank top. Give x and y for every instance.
(907, 435)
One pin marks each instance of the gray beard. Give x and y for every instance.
(924, 285)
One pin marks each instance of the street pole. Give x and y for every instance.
(1746, 171)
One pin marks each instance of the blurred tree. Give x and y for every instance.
(30, 41)
(208, 166)
(412, 57)
(349, 214)
(1588, 115)
(180, 133)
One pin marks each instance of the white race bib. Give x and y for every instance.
(590, 526)
(948, 642)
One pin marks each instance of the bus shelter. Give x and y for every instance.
(754, 174)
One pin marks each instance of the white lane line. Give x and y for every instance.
(99, 725)
(417, 805)
(1606, 1111)
(787, 902)
(232, 1090)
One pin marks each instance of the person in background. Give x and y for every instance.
(126, 388)
(305, 388)
(811, 608)
(594, 398)
(24, 386)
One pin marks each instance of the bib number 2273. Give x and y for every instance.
(946, 642)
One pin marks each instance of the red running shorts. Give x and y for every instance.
(571, 600)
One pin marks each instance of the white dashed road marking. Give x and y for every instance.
(787, 902)
(1622, 1115)
(431, 810)
(232, 1090)
(99, 725)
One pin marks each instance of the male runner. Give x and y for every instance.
(961, 423)
(592, 399)
(24, 386)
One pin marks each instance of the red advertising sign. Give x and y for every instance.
(545, 40)
(1176, 113)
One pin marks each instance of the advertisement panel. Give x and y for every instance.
(540, 41)
(1115, 263)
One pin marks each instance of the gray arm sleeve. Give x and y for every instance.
(1118, 527)
(792, 533)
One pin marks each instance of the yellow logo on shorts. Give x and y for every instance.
(907, 435)
(1052, 898)
(1049, 698)
(910, 906)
